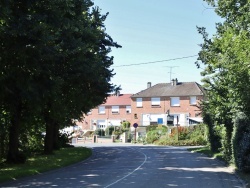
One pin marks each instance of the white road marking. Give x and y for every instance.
(145, 159)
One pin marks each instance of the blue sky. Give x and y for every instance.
(155, 30)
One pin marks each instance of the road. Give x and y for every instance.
(136, 166)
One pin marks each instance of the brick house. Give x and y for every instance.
(116, 109)
(167, 103)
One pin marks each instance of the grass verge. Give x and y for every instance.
(205, 150)
(42, 163)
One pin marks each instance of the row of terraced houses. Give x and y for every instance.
(172, 103)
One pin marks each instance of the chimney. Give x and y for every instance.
(148, 84)
(117, 93)
(174, 82)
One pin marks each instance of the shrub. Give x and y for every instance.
(198, 134)
(63, 140)
(151, 128)
(109, 130)
(155, 133)
(226, 147)
(183, 133)
(152, 136)
(125, 125)
(241, 142)
(193, 135)
(213, 136)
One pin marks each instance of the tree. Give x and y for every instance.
(226, 71)
(58, 50)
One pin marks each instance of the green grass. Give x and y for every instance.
(208, 152)
(42, 163)
(205, 150)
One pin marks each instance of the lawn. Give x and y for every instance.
(206, 151)
(41, 163)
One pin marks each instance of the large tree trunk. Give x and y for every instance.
(14, 155)
(48, 142)
(56, 144)
(4, 139)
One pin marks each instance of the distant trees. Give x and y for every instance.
(54, 67)
(226, 74)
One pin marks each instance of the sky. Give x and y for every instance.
(156, 35)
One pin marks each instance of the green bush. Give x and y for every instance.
(152, 136)
(226, 146)
(241, 142)
(154, 133)
(192, 135)
(63, 140)
(213, 135)
(125, 125)
(151, 128)
(198, 141)
(109, 130)
(183, 133)
(198, 134)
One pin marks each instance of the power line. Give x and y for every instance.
(134, 64)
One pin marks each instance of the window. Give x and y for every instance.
(155, 101)
(128, 109)
(193, 100)
(101, 110)
(115, 109)
(138, 102)
(175, 101)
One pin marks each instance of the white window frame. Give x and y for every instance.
(101, 110)
(138, 102)
(155, 101)
(175, 101)
(128, 109)
(115, 110)
(193, 100)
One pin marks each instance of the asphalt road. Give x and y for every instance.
(131, 166)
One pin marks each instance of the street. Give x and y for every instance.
(136, 166)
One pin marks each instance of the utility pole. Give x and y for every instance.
(170, 71)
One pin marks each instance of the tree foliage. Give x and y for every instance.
(55, 65)
(226, 61)
(241, 142)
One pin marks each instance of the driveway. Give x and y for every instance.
(135, 166)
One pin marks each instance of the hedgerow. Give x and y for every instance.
(191, 135)
(241, 142)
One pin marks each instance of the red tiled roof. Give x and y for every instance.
(122, 99)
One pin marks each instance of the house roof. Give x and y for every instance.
(122, 99)
(167, 89)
